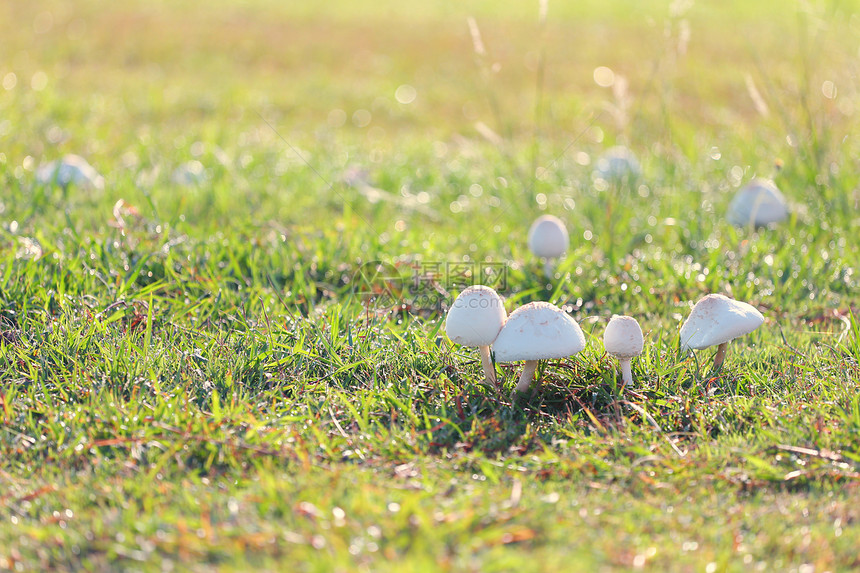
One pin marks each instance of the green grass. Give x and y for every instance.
(191, 378)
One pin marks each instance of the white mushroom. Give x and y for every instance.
(617, 164)
(714, 321)
(548, 239)
(758, 203)
(474, 320)
(537, 331)
(71, 169)
(623, 340)
(189, 173)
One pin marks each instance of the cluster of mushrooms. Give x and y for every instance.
(539, 330)
(542, 331)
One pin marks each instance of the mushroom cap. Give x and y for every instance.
(716, 319)
(623, 337)
(759, 203)
(476, 317)
(71, 169)
(548, 237)
(538, 331)
(189, 173)
(617, 162)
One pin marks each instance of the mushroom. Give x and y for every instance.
(71, 169)
(714, 321)
(548, 239)
(474, 320)
(617, 164)
(189, 173)
(758, 203)
(537, 331)
(623, 340)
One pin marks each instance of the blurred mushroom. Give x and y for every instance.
(548, 239)
(71, 169)
(623, 340)
(537, 331)
(474, 320)
(714, 321)
(189, 173)
(617, 164)
(758, 203)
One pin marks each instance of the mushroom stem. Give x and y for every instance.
(526, 377)
(489, 373)
(549, 268)
(626, 372)
(720, 356)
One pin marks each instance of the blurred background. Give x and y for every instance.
(680, 75)
(403, 131)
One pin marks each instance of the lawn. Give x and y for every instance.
(251, 370)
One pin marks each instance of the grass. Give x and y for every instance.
(191, 378)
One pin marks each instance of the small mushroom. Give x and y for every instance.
(623, 340)
(617, 164)
(759, 203)
(714, 321)
(548, 239)
(474, 320)
(71, 169)
(189, 173)
(537, 331)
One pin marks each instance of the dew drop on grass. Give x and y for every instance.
(736, 174)
(10, 80)
(604, 77)
(405, 94)
(361, 118)
(337, 118)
